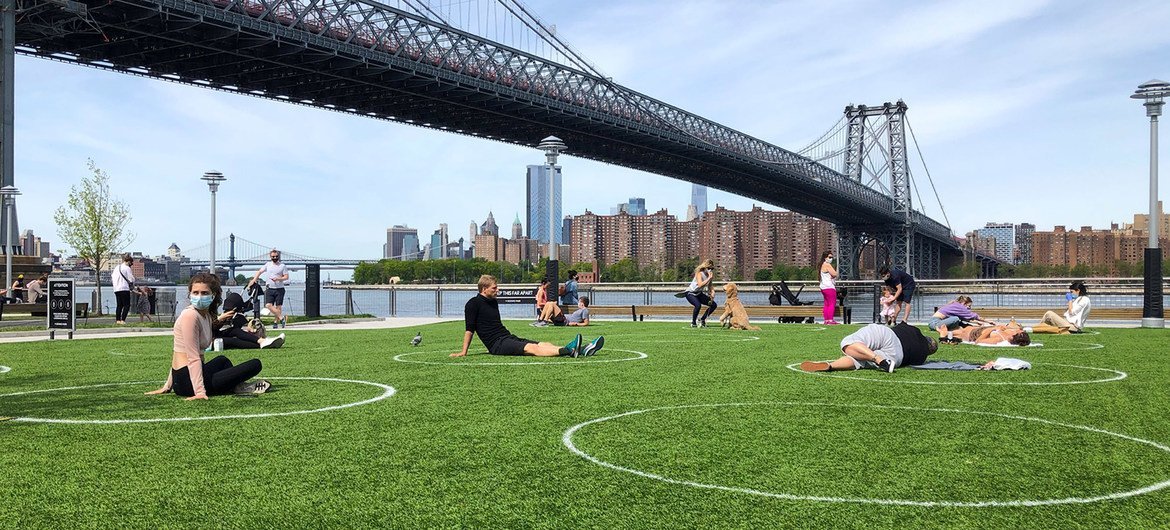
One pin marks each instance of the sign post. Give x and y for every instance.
(62, 313)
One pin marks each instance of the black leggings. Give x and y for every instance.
(219, 376)
(123, 308)
(699, 300)
(238, 339)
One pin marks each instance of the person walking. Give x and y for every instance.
(275, 274)
(701, 292)
(123, 279)
(828, 287)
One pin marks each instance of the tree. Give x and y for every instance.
(93, 222)
(241, 279)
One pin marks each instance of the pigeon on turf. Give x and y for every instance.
(416, 340)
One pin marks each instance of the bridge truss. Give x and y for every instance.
(402, 62)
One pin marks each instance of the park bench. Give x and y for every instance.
(756, 312)
(603, 310)
(1026, 314)
(40, 310)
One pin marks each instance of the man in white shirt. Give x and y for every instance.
(122, 278)
(275, 274)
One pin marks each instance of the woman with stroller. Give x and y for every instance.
(701, 292)
(189, 375)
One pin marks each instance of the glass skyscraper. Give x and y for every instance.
(699, 198)
(538, 208)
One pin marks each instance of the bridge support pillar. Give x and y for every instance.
(8, 223)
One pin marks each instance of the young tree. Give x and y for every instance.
(93, 222)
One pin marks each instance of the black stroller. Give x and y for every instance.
(255, 325)
(780, 293)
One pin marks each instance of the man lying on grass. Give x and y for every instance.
(881, 347)
(482, 317)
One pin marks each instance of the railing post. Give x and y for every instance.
(348, 301)
(438, 301)
(393, 301)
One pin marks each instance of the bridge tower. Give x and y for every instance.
(873, 132)
(231, 256)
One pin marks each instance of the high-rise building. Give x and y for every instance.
(395, 247)
(699, 199)
(517, 229)
(1005, 240)
(636, 206)
(488, 247)
(410, 251)
(567, 229)
(174, 253)
(437, 247)
(692, 212)
(539, 216)
(489, 226)
(1024, 233)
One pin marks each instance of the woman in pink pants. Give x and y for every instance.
(828, 286)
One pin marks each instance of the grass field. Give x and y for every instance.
(460, 445)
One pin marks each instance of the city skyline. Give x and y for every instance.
(1042, 115)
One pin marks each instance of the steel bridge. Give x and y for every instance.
(244, 254)
(402, 62)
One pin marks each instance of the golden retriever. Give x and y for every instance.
(734, 315)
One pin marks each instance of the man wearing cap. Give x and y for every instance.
(878, 346)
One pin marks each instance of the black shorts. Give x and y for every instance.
(906, 296)
(510, 345)
(274, 296)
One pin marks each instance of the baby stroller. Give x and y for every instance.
(781, 292)
(254, 325)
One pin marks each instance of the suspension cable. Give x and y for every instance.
(928, 177)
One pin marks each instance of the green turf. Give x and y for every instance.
(481, 446)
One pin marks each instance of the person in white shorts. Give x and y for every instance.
(878, 346)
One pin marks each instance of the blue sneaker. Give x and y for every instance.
(593, 347)
(574, 346)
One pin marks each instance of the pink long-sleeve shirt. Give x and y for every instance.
(192, 336)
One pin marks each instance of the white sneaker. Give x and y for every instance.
(258, 386)
(272, 342)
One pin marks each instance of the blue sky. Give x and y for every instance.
(1021, 109)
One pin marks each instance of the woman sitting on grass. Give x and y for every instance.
(1075, 315)
(192, 378)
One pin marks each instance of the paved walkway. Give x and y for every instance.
(131, 331)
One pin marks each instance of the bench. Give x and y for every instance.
(1037, 313)
(758, 311)
(40, 310)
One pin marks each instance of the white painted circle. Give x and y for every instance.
(713, 339)
(4, 369)
(1091, 346)
(1117, 376)
(567, 440)
(637, 356)
(387, 392)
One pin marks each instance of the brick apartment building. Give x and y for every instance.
(749, 241)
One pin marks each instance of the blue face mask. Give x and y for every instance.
(201, 302)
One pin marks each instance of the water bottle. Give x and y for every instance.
(217, 345)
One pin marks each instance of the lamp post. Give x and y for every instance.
(8, 194)
(552, 147)
(213, 178)
(1153, 92)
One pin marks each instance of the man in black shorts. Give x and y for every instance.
(482, 317)
(903, 286)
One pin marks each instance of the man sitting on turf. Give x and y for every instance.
(881, 347)
(482, 317)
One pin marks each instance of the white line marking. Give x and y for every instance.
(1092, 346)
(4, 369)
(638, 355)
(387, 392)
(567, 440)
(1119, 375)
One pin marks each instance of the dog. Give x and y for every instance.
(734, 315)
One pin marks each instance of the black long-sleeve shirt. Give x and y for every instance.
(481, 316)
